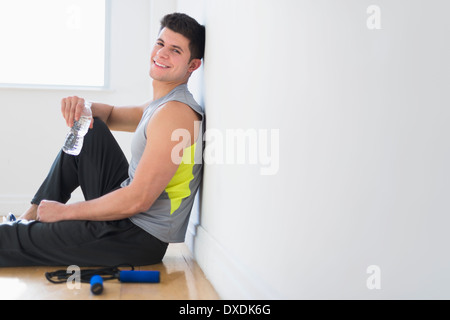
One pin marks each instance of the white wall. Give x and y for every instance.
(363, 178)
(363, 120)
(249, 222)
(31, 127)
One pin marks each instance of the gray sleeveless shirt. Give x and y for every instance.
(167, 219)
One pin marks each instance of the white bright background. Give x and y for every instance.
(52, 42)
(363, 117)
(32, 129)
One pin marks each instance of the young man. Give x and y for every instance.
(132, 211)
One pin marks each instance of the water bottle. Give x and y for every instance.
(75, 137)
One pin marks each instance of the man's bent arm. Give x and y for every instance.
(119, 118)
(153, 174)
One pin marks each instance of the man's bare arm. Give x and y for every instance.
(155, 170)
(117, 118)
(125, 118)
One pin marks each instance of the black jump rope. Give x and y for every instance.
(96, 276)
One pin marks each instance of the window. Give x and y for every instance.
(53, 43)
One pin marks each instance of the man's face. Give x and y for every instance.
(170, 58)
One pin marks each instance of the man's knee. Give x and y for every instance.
(100, 139)
(98, 131)
(99, 125)
(97, 136)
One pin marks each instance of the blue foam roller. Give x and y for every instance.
(139, 276)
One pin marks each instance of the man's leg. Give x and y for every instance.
(82, 243)
(99, 169)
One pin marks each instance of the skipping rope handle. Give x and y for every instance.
(139, 276)
(125, 276)
(96, 285)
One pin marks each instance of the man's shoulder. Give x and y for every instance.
(176, 108)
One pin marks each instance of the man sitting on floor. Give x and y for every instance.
(132, 211)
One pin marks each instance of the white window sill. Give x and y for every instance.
(55, 87)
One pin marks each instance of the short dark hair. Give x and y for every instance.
(188, 27)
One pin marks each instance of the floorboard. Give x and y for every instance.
(181, 279)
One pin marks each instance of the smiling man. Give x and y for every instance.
(132, 211)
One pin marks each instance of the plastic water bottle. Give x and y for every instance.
(75, 137)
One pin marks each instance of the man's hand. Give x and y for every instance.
(71, 109)
(51, 211)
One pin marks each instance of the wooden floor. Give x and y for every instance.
(181, 278)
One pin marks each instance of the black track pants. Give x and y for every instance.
(99, 169)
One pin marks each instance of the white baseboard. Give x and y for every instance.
(231, 279)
